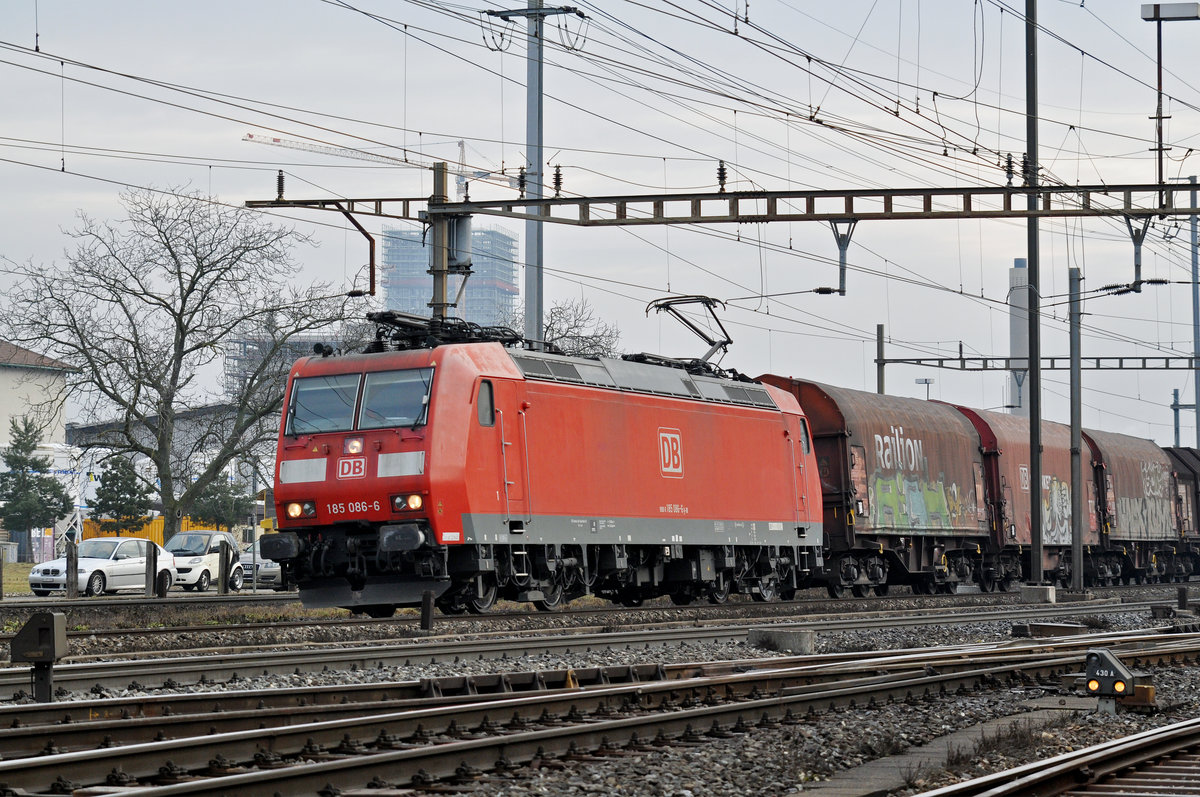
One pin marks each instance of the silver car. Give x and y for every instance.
(261, 573)
(105, 564)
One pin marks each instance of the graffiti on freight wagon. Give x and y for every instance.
(904, 492)
(1148, 516)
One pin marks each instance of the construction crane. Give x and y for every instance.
(461, 175)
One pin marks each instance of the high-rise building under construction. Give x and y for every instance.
(491, 294)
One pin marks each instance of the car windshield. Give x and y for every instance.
(196, 544)
(97, 549)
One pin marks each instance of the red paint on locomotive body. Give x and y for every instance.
(577, 459)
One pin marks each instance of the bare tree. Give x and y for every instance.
(144, 308)
(572, 327)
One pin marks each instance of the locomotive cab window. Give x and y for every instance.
(322, 404)
(395, 398)
(805, 441)
(486, 404)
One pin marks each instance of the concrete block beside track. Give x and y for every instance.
(1033, 593)
(802, 642)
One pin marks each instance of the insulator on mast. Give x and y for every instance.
(721, 175)
(279, 186)
(521, 182)
(557, 180)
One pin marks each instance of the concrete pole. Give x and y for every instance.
(1077, 488)
(1035, 338)
(1195, 314)
(879, 359)
(534, 177)
(439, 245)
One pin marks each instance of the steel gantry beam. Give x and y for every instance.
(1000, 202)
(1048, 363)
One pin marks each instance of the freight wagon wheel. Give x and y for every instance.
(552, 601)
(835, 589)
(881, 589)
(987, 581)
(860, 590)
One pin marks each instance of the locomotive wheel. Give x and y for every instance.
(835, 590)
(860, 590)
(768, 590)
(380, 610)
(479, 604)
(552, 601)
(681, 598)
(634, 601)
(720, 592)
(881, 589)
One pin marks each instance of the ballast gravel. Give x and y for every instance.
(792, 759)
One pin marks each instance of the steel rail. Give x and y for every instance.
(221, 664)
(790, 688)
(583, 711)
(1074, 772)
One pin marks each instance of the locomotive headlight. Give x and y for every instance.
(299, 509)
(352, 445)
(407, 503)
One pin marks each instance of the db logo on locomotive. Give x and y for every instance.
(670, 453)
(352, 468)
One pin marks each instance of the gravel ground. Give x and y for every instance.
(781, 761)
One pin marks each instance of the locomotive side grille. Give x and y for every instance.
(564, 371)
(642, 378)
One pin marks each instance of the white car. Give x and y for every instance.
(105, 564)
(260, 572)
(198, 559)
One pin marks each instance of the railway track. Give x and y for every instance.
(1157, 762)
(434, 739)
(219, 664)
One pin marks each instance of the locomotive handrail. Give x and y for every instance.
(525, 456)
(504, 468)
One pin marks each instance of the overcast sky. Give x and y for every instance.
(642, 98)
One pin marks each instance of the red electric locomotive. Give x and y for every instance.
(475, 471)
